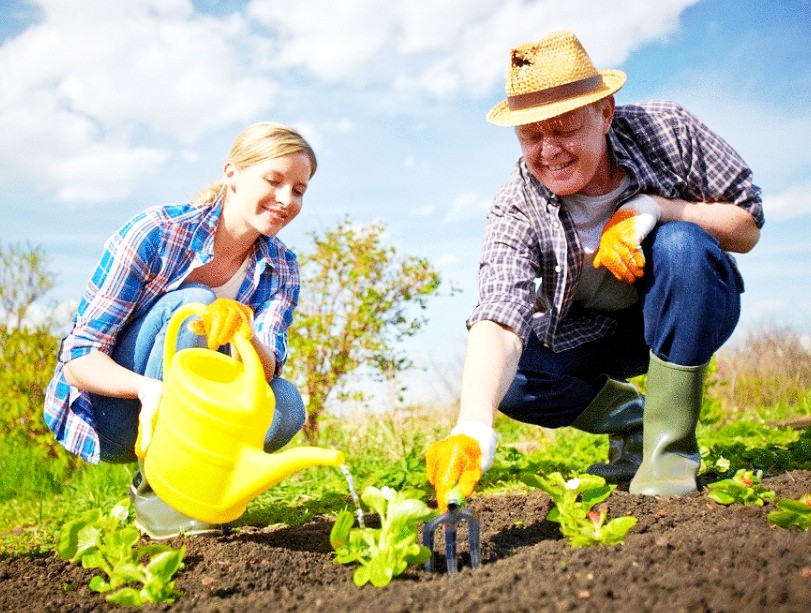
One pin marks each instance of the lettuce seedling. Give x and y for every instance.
(385, 552)
(110, 543)
(743, 487)
(575, 499)
(792, 513)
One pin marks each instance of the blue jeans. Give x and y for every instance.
(689, 306)
(140, 349)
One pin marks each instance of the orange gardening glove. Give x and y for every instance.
(620, 250)
(150, 395)
(222, 320)
(460, 460)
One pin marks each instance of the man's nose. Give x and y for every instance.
(549, 146)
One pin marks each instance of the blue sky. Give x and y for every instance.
(106, 108)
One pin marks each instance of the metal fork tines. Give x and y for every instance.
(450, 520)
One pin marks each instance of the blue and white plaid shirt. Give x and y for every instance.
(149, 256)
(665, 150)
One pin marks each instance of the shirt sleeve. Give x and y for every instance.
(273, 314)
(509, 264)
(678, 155)
(114, 290)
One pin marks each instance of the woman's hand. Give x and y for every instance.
(150, 395)
(222, 320)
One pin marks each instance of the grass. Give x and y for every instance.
(41, 488)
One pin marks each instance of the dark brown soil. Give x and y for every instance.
(684, 554)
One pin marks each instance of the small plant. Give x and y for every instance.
(110, 543)
(792, 513)
(385, 552)
(743, 487)
(574, 510)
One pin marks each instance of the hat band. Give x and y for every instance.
(554, 94)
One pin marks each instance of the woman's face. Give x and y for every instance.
(569, 154)
(267, 196)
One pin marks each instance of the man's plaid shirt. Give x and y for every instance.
(531, 257)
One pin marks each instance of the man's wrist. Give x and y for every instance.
(484, 435)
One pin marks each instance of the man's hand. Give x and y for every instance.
(460, 459)
(150, 395)
(222, 320)
(620, 250)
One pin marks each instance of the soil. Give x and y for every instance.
(684, 554)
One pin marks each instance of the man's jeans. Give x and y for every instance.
(140, 349)
(689, 306)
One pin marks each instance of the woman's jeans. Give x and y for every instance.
(140, 349)
(689, 306)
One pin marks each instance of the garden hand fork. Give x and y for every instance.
(450, 519)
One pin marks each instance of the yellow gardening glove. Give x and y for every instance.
(222, 320)
(459, 460)
(150, 395)
(620, 250)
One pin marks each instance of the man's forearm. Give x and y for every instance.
(731, 225)
(491, 362)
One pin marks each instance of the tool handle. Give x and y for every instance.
(454, 498)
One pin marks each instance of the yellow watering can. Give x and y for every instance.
(206, 456)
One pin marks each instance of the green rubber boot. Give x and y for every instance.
(617, 411)
(670, 458)
(157, 519)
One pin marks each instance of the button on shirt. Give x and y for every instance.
(146, 258)
(665, 150)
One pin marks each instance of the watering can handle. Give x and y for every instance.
(253, 366)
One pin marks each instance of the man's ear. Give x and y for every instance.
(607, 106)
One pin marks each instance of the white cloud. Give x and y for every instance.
(94, 98)
(792, 202)
(85, 90)
(467, 206)
(446, 46)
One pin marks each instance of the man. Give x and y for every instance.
(605, 256)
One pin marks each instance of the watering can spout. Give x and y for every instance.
(256, 471)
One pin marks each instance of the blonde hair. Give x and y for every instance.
(258, 142)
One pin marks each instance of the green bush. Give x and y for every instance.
(28, 357)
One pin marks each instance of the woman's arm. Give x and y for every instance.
(96, 372)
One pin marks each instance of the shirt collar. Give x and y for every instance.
(202, 241)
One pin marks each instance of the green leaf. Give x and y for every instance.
(385, 552)
(127, 596)
(339, 535)
(79, 536)
(380, 573)
(99, 584)
(361, 576)
(111, 543)
(792, 513)
(595, 494)
(166, 564)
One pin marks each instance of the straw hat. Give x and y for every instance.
(551, 77)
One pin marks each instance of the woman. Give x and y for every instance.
(220, 250)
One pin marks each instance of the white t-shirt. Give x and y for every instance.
(230, 288)
(598, 289)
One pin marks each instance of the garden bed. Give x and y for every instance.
(684, 554)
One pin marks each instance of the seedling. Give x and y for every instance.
(580, 522)
(110, 543)
(385, 552)
(792, 513)
(743, 487)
